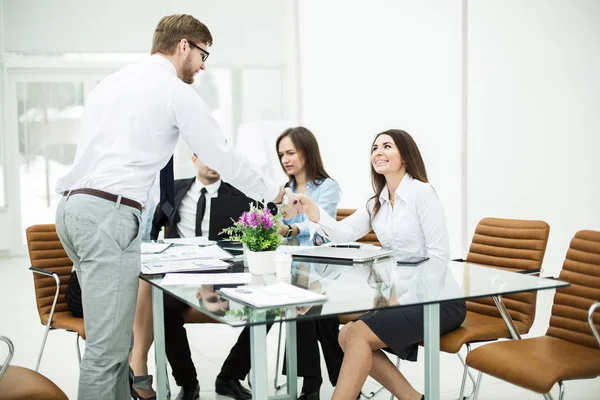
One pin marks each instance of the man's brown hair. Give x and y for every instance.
(172, 28)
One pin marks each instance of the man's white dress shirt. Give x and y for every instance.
(131, 124)
(189, 205)
(416, 224)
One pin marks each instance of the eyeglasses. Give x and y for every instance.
(205, 53)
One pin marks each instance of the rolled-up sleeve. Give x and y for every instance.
(205, 137)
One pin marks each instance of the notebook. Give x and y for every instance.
(342, 254)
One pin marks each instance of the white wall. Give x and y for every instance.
(534, 115)
(370, 66)
(245, 33)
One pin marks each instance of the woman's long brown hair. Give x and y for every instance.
(306, 144)
(410, 155)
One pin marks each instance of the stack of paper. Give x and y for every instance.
(185, 258)
(181, 253)
(154, 248)
(278, 294)
(184, 266)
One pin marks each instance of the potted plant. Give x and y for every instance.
(257, 230)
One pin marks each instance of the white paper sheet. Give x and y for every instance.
(206, 279)
(182, 253)
(154, 248)
(184, 266)
(198, 241)
(278, 294)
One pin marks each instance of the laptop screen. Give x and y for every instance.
(222, 210)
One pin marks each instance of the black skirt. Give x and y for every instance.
(401, 329)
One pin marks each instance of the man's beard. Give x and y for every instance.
(188, 72)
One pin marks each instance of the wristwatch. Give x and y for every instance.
(289, 232)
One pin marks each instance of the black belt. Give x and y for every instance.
(105, 196)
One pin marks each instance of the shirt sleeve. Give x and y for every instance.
(349, 229)
(204, 136)
(328, 199)
(433, 222)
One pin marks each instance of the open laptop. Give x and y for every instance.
(341, 254)
(222, 211)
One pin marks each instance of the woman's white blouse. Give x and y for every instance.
(416, 224)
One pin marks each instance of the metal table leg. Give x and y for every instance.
(292, 357)
(432, 351)
(159, 343)
(514, 333)
(258, 357)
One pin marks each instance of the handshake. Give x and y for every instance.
(290, 203)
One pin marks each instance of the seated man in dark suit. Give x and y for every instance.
(193, 198)
(193, 217)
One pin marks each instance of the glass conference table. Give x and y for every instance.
(349, 289)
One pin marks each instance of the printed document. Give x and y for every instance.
(278, 294)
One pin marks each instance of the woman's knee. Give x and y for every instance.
(343, 335)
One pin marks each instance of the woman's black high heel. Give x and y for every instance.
(140, 382)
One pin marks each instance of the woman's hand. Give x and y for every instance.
(290, 207)
(309, 207)
(282, 229)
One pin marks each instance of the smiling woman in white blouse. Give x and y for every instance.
(406, 215)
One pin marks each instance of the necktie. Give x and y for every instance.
(167, 190)
(200, 208)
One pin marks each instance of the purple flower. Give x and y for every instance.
(267, 221)
(244, 218)
(252, 220)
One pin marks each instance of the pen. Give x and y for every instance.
(347, 246)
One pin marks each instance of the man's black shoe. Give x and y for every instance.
(310, 396)
(226, 386)
(189, 393)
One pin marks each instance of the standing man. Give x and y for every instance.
(131, 125)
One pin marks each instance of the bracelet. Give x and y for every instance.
(290, 231)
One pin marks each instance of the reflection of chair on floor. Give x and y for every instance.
(18, 383)
(369, 238)
(571, 347)
(52, 270)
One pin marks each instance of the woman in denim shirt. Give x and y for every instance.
(301, 160)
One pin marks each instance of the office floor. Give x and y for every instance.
(210, 345)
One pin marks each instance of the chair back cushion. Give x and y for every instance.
(571, 304)
(46, 251)
(509, 244)
(369, 238)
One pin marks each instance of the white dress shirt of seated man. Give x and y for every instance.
(205, 178)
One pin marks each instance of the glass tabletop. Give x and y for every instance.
(354, 288)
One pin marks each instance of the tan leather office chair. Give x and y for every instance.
(18, 383)
(52, 269)
(511, 244)
(369, 238)
(571, 347)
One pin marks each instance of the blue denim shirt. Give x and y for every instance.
(327, 196)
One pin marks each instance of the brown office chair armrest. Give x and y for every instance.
(42, 271)
(591, 321)
(57, 280)
(11, 351)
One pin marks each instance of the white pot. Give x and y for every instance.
(259, 262)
